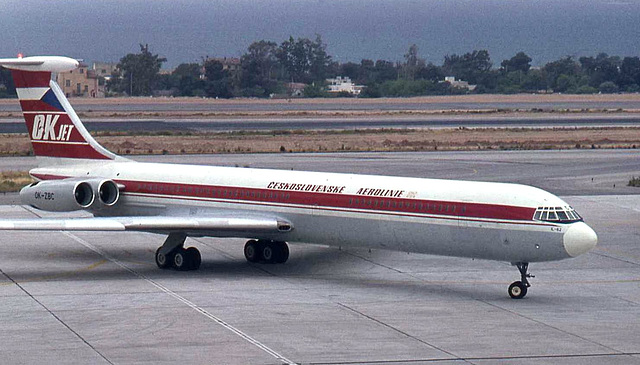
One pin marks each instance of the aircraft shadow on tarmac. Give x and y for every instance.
(324, 267)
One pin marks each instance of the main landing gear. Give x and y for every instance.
(270, 252)
(518, 289)
(173, 254)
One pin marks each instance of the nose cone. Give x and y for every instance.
(579, 239)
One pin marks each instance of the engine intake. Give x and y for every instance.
(83, 193)
(108, 192)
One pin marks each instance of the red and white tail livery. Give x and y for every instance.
(55, 130)
(505, 222)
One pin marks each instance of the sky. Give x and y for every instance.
(188, 30)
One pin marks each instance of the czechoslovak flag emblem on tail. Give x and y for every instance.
(54, 128)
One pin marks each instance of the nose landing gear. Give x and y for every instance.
(518, 289)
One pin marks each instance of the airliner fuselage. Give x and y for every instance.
(444, 217)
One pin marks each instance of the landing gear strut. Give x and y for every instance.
(173, 254)
(518, 289)
(270, 252)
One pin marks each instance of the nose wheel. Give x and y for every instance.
(518, 289)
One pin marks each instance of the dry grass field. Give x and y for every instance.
(352, 140)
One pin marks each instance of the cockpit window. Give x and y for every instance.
(557, 214)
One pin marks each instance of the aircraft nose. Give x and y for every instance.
(579, 239)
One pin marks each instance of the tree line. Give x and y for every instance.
(266, 68)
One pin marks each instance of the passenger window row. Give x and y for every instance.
(212, 192)
(411, 205)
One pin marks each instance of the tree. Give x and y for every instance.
(412, 63)
(315, 91)
(188, 70)
(629, 73)
(138, 73)
(385, 71)
(601, 69)
(368, 72)
(260, 68)
(608, 87)
(519, 62)
(510, 82)
(565, 83)
(564, 66)
(319, 59)
(187, 79)
(430, 72)
(303, 59)
(351, 70)
(534, 81)
(468, 67)
(219, 83)
(7, 89)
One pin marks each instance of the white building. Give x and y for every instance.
(459, 83)
(343, 84)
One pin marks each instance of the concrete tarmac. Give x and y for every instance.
(99, 298)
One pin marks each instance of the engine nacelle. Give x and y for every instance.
(71, 194)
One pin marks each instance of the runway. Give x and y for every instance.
(17, 125)
(471, 102)
(99, 298)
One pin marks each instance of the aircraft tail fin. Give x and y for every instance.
(56, 132)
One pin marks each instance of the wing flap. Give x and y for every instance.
(168, 224)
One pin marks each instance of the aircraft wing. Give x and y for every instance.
(206, 225)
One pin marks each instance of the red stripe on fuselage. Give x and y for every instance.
(22, 79)
(326, 200)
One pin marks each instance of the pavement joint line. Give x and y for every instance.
(372, 262)
(627, 300)
(602, 254)
(484, 358)
(225, 254)
(455, 357)
(615, 351)
(183, 300)
(56, 317)
(213, 247)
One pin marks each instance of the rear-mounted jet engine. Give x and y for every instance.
(71, 194)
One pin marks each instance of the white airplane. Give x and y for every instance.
(496, 221)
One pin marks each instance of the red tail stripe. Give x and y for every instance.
(22, 79)
(37, 106)
(61, 149)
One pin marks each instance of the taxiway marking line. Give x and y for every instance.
(183, 300)
(55, 317)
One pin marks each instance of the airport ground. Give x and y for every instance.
(145, 107)
(466, 122)
(98, 298)
(184, 141)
